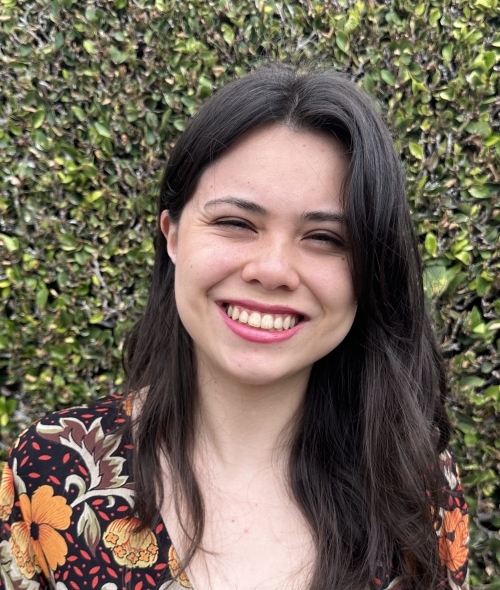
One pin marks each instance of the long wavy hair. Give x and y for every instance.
(363, 465)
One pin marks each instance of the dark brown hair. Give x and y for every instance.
(364, 458)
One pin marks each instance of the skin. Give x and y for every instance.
(252, 231)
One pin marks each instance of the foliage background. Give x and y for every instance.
(93, 94)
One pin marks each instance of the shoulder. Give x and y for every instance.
(452, 524)
(106, 413)
(67, 505)
(109, 411)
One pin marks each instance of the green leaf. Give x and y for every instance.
(41, 140)
(180, 124)
(434, 16)
(89, 46)
(89, 169)
(489, 59)
(102, 130)
(38, 118)
(12, 244)
(387, 77)
(447, 51)
(80, 113)
(437, 279)
(463, 257)
(117, 56)
(479, 191)
(152, 120)
(431, 244)
(42, 295)
(342, 40)
(94, 196)
(420, 9)
(481, 128)
(492, 140)
(416, 150)
(227, 33)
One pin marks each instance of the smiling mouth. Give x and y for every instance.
(264, 321)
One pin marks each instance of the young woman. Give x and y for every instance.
(283, 423)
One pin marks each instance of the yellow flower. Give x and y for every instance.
(175, 566)
(6, 493)
(36, 544)
(129, 547)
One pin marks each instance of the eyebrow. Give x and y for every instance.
(323, 216)
(241, 203)
(317, 216)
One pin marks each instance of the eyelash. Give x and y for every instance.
(233, 223)
(319, 237)
(328, 238)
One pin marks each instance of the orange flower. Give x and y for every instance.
(174, 565)
(454, 538)
(131, 548)
(36, 544)
(6, 493)
(128, 404)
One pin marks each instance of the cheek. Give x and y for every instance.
(201, 266)
(336, 289)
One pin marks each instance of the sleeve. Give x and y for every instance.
(452, 527)
(19, 569)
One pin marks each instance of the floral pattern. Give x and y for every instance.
(67, 522)
(6, 493)
(131, 548)
(175, 568)
(35, 541)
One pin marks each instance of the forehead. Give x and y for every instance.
(278, 163)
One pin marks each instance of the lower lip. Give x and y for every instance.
(257, 334)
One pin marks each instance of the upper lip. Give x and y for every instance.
(263, 307)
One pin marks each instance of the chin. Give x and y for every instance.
(263, 377)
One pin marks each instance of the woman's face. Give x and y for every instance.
(262, 278)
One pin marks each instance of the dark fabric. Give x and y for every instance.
(66, 512)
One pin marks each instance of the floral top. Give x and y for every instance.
(66, 518)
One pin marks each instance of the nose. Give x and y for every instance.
(272, 264)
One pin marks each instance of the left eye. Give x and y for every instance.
(327, 239)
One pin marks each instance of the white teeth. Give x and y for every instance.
(267, 322)
(254, 320)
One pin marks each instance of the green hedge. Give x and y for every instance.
(94, 94)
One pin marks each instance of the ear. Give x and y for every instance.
(169, 230)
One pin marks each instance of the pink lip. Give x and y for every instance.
(262, 307)
(256, 334)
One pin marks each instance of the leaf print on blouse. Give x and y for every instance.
(6, 493)
(454, 539)
(35, 541)
(96, 451)
(175, 568)
(128, 546)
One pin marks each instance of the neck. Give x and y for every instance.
(244, 427)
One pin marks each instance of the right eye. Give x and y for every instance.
(232, 222)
